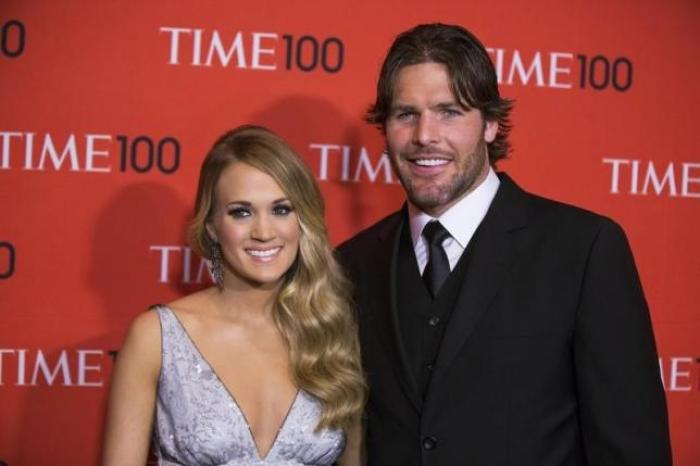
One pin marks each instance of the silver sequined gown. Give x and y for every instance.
(198, 422)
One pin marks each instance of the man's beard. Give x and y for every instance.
(444, 193)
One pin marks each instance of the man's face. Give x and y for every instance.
(438, 149)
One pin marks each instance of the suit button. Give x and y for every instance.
(429, 443)
(434, 320)
(430, 367)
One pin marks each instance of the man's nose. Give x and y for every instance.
(426, 131)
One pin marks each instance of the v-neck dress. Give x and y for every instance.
(198, 422)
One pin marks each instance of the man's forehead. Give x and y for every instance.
(423, 77)
(413, 100)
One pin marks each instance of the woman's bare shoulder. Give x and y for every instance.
(140, 354)
(144, 328)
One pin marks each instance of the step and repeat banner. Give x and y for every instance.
(107, 109)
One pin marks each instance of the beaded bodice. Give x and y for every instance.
(198, 421)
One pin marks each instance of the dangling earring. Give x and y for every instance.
(216, 265)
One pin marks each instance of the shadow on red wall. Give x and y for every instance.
(122, 271)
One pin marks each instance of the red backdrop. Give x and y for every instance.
(109, 107)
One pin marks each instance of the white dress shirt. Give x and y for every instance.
(461, 221)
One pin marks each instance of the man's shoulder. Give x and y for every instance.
(547, 207)
(564, 218)
(571, 215)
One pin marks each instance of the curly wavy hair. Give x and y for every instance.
(312, 309)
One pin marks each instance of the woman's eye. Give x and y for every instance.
(282, 209)
(239, 212)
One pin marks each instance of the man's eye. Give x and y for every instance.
(282, 209)
(405, 116)
(239, 212)
(451, 112)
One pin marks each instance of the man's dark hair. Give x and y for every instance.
(474, 81)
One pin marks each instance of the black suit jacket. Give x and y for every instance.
(548, 358)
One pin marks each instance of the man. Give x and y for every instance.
(497, 327)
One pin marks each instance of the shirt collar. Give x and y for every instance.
(462, 219)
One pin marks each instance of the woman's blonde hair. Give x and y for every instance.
(312, 309)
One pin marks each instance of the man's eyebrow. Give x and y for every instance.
(401, 108)
(448, 104)
(440, 106)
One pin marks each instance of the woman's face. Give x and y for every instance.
(256, 226)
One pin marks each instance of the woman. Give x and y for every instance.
(262, 368)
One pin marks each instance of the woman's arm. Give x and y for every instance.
(354, 454)
(133, 393)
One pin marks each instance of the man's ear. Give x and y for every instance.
(490, 131)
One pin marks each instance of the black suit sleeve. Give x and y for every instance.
(621, 400)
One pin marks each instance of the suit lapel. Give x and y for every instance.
(387, 312)
(493, 254)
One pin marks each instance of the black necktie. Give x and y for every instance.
(438, 267)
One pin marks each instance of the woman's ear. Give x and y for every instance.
(211, 232)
